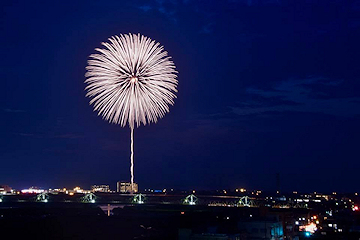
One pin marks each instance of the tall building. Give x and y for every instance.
(125, 187)
(100, 188)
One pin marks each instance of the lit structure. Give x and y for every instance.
(42, 197)
(4, 189)
(245, 202)
(32, 190)
(131, 81)
(191, 199)
(100, 188)
(89, 198)
(125, 187)
(139, 198)
(309, 229)
(78, 190)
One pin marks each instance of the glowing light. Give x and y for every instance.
(32, 190)
(191, 200)
(139, 198)
(131, 81)
(356, 208)
(311, 228)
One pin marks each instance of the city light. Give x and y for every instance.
(311, 228)
(32, 190)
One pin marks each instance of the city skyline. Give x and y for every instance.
(265, 87)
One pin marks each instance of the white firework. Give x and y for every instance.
(132, 80)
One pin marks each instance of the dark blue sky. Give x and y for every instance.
(264, 87)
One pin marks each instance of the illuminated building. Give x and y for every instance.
(78, 190)
(125, 187)
(5, 189)
(32, 190)
(100, 188)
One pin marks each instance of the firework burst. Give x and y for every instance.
(132, 80)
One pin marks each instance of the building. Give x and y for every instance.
(270, 229)
(125, 187)
(100, 188)
(5, 189)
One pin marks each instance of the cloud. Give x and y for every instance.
(168, 8)
(257, 2)
(51, 136)
(25, 134)
(207, 29)
(300, 95)
(68, 136)
(145, 8)
(14, 110)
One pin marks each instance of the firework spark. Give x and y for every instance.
(131, 81)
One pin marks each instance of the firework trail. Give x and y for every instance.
(132, 80)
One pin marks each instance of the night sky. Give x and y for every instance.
(265, 87)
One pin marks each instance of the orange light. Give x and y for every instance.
(314, 217)
(182, 213)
